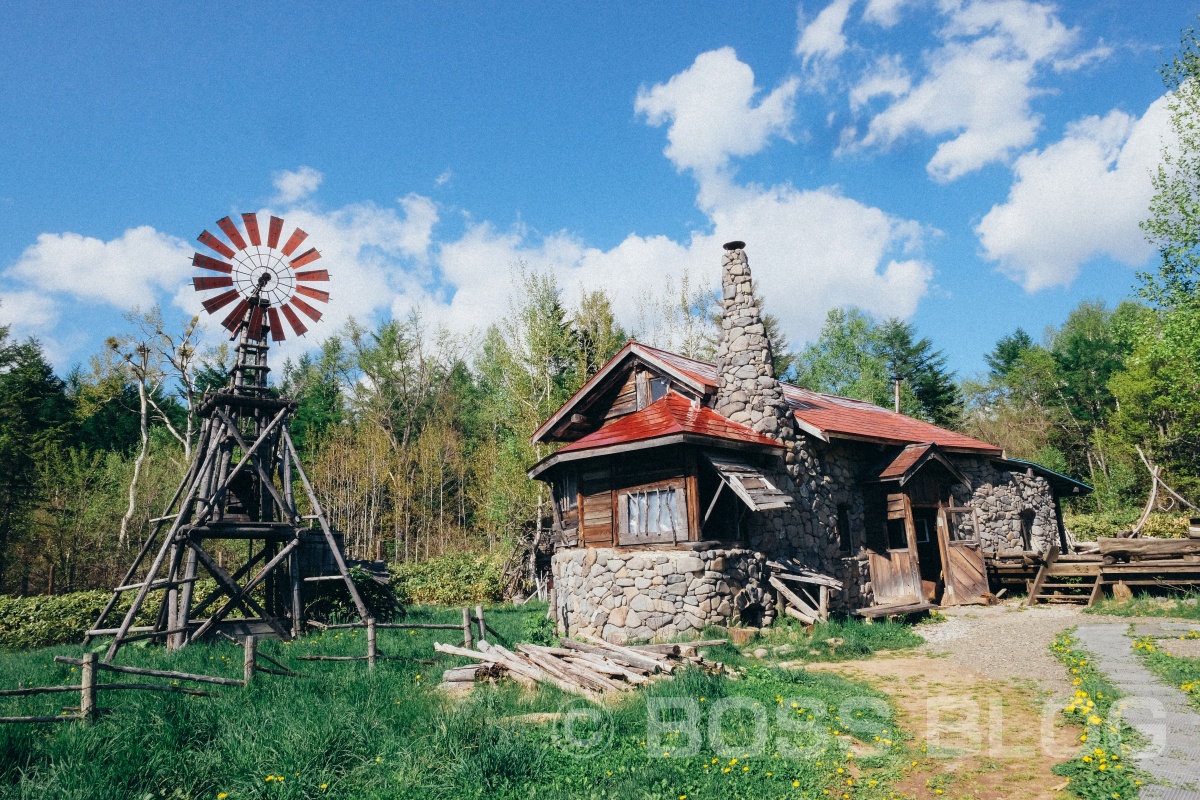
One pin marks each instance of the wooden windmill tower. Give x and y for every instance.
(241, 484)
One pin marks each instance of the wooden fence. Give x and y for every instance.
(468, 627)
(90, 666)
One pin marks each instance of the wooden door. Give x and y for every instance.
(962, 557)
(892, 551)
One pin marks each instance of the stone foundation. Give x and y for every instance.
(626, 595)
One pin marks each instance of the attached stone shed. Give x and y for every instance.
(682, 484)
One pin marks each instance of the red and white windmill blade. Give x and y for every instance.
(251, 263)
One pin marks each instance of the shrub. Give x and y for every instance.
(58, 619)
(452, 579)
(1106, 524)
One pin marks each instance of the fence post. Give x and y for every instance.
(87, 699)
(482, 626)
(467, 628)
(249, 659)
(371, 643)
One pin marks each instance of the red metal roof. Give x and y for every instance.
(903, 460)
(841, 416)
(673, 414)
(824, 414)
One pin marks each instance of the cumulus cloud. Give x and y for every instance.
(125, 272)
(823, 37)
(1077, 199)
(976, 91)
(884, 13)
(711, 113)
(28, 312)
(294, 186)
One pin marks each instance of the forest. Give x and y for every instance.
(419, 439)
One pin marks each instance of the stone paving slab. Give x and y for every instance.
(1166, 717)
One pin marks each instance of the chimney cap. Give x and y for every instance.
(734, 245)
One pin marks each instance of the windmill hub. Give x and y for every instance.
(251, 266)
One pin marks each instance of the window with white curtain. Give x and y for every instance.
(650, 515)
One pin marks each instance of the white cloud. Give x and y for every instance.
(887, 78)
(1077, 199)
(294, 186)
(711, 113)
(978, 85)
(125, 272)
(444, 178)
(884, 13)
(823, 37)
(28, 312)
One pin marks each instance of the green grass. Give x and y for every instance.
(836, 640)
(341, 732)
(1186, 606)
(1099, 770)
(1174, 670)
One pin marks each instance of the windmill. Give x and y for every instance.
(241, 484)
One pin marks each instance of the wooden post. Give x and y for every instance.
(249, 659)
(479, 619)
(467, 628)
(371, 643)
(87, 699)
(823, 607)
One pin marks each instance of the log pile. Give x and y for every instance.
(590, 668)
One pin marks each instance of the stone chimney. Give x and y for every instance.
(747, 389)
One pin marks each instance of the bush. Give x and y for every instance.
(541, 630)
(452, 579)
(59, 619)
(1107, 524)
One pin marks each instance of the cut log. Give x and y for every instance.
(581, 676)
(649, 660)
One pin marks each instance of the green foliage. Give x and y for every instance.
(452, 579)
(858, 357)
(1184, 604)
(344, 732)
(42, 621)
(1174, 221)
(1101, 769)
(1174, 670)
(540, 630)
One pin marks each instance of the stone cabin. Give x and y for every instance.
(680, 480)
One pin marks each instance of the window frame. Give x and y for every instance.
(680, 531)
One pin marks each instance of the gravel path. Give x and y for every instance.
(1008, 641)
(1160, 713)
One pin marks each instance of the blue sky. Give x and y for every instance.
(970, 165)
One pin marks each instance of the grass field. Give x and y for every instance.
(341, 732)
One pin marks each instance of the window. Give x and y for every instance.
(897, 535)
(566, 492)
(652, 514)
(658, 389)
(923, 526)
(1027, 517)
(845, 541)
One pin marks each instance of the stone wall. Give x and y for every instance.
(1001, 496)
(628, 595)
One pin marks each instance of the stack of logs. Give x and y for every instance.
(585, 668)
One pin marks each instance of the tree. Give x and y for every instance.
(922, 371)
(598, 337)
(1174, 222)
(1008, 353)
(35, 417)
(844, 360)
